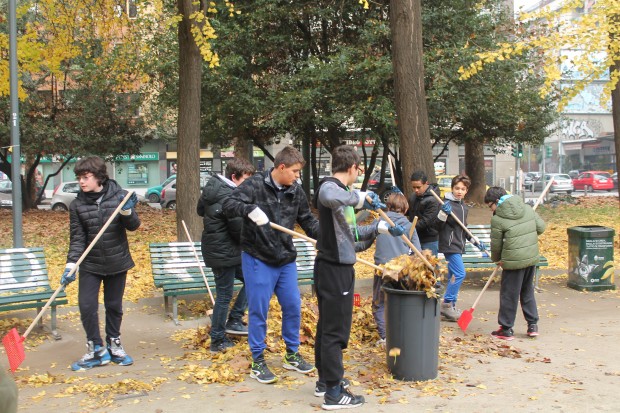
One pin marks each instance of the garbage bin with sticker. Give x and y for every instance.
(591, 258)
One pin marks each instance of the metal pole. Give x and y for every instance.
(16, 153)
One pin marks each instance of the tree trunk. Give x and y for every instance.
(474, 168)
(410, 96)
(188, 127)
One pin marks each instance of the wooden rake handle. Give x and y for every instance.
(542, 195)
(204, 277)
(313, 241)
(485, 286)
(77, 264)
(404, 237)
(458, 221)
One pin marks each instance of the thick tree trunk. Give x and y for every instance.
(410, 96)
(474, 168)
(188, 127)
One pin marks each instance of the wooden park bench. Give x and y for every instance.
(24, 283)
(473, 258)
(176, 271)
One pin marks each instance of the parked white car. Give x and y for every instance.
(63, 195)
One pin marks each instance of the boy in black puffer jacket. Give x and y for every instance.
(452, 243)
(221, 251)
(107, 263)
(268, 255)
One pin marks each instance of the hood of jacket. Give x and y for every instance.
(511, 208)
(217, 187)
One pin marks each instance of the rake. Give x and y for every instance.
(13, 342)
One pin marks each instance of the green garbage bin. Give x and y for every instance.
(591, 258)
(412, 325)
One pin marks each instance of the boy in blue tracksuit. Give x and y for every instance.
(268, 255)
(386, 249)
(452, 243)
(334, 275)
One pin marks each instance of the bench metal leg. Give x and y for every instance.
(175, 310)
(55, 332)
(536, 281)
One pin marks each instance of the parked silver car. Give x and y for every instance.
(561, 183)
(169, 192)
(63, 195)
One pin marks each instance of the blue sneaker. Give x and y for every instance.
(118, 354)
(96, 356)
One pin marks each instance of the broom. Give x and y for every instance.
(13, 342)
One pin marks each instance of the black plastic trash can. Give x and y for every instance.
(591, 258)
(412, 325)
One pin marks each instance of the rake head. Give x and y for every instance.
(14, 347)
(465, 319)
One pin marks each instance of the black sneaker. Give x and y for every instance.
(261, 372)
(320, 388)
(345, 400)
(236, 328)
(222, 345)
(294, 361)
(503, 333)
(532, 330)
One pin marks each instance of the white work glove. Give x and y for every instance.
(258, 216)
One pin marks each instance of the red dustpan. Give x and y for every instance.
(467, 315)
(14, 348)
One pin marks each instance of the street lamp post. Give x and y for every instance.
(16, 153)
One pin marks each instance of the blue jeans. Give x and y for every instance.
(456, 275)
(378, 304)
(262, 281)
(433, 246)
(224, 283)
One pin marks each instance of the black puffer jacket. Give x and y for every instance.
(87, 216)
(221, 235)
(284, 207)
(452, 236)
(425, 207)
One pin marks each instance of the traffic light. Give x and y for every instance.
(517, 150)
(548, 151)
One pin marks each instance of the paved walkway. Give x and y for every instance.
(573, 366)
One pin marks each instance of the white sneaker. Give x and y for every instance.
(380, 343)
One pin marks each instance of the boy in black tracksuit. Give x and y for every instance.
(334, 275)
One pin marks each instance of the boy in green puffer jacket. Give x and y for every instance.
(515, 228)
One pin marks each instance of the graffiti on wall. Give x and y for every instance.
(579, 129)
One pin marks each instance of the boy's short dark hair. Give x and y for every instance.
(419, 176)
(288, 156)
(343, 158)
(94, 165)
(238, 167)
(493, 194)
(464, 179)
(397, 203)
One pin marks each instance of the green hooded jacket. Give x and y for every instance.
(515, 228)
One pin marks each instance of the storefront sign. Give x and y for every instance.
(146, 156)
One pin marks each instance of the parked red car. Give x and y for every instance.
(593, 180)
